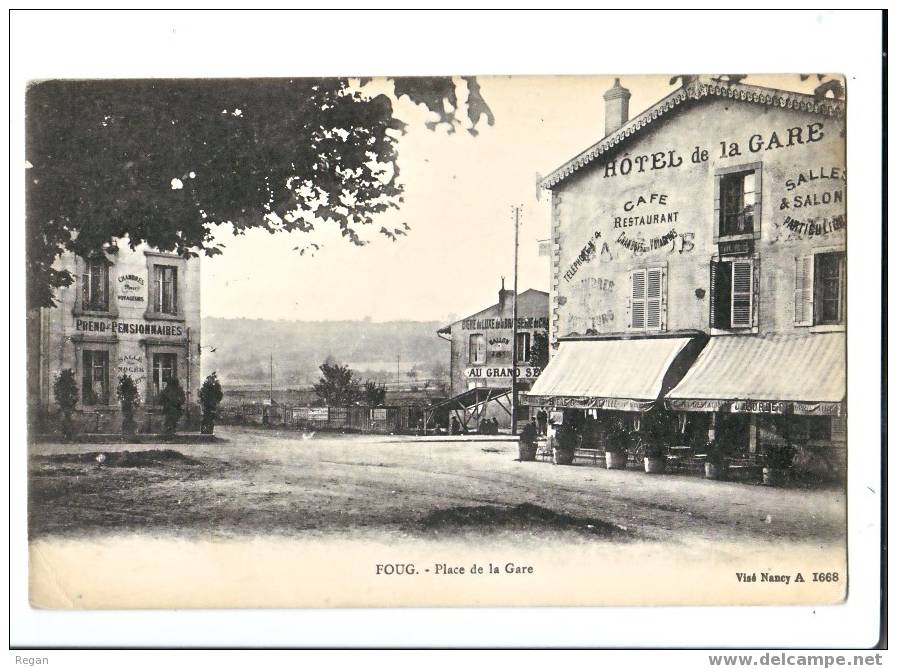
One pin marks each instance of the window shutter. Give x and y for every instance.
(102, 293)
(714, 267)
(839, 428)
(637, 302)
(85, 288)
(157, 289)
(742, 293)
(803, 290)
(758, 199)
(717, 215)
(653, 298)
(755, 287)
(663, 298)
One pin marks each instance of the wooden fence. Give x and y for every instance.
(378, 420)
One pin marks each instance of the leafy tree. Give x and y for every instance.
(210, 396)
(374, 393)
(167, 161)
(539, 350)
(129, 397)
(172, 399)
(65, 392)
(337, 385)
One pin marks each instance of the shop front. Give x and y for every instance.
(600, 387)
(759, 396)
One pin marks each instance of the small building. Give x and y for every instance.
(133, 312)
(481, 349)
(699, 270)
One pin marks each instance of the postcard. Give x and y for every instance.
(437, 341)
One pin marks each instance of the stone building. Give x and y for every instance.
(127, 312)
(699, 268)
(481, 349)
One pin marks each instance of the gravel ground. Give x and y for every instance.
(254, 482)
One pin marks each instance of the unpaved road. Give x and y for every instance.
(271, 482)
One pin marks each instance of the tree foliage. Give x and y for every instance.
(65, 392)
(164, 162)
(129, 397)
(210, 396)
(374, 393)
(172, 399)
(337, 385)
(539, 350)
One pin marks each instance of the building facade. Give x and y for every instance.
(480, 353)
(481, 348)
(133, 312)
(708, 235)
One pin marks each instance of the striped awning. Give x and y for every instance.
(626, 375)
(803, 374)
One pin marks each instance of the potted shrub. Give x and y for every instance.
(778, 462)
(564, 447)
(129, 398)
(210, 396)
(655, 457)
(172, 401)
(716, 466)
(615, 454)
(526, 446)
(65, 392)
(616, 447)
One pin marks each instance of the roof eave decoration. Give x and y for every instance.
(697, 90)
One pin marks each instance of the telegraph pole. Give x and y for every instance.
(514, 327)
(271, 387)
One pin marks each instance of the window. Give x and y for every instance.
(809, 428)
(820, 428)
(476, 353)
(164, 369)
(819, 289)
(523, 347)
(829, 279)
(166, 289)
(95, 378)
(95, 285)
(647, 304)
(732, 294)
(737, 198)
(736, 204)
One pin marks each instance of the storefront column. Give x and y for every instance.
(752, 435)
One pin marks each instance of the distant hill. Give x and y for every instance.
(243, 346)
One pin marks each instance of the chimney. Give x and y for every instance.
(616, 107)
(503, 295)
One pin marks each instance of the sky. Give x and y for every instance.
(459, 194)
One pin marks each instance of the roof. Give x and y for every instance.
(447, 329)
(698, 90)
(618, 374)
(806, 369)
